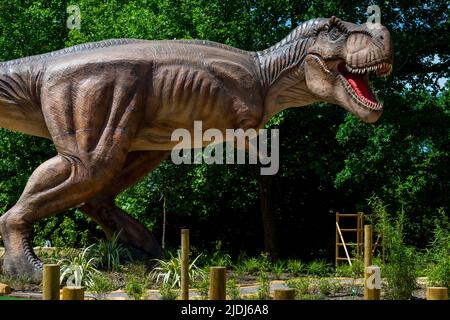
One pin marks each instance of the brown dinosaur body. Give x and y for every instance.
(110, 109)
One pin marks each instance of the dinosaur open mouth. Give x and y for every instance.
(356, 82)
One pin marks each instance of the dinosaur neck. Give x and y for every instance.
(283, 77)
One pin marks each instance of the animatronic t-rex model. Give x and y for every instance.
(110, 108)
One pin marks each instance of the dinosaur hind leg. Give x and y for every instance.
(92, 122)
(56, 185)
(101, 207)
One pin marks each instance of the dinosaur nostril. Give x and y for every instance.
(381, 37)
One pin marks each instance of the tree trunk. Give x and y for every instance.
(268, 216)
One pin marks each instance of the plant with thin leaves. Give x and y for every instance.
(168, 293)
(401, 268)
(233, 290)
(79, 270)
(168, 272)
(301, 285)
(278, 269)
(136, 288)
(438, 254)
(111, 252)
(295, 267)
(263, 291)
(319, 268)
(100, 286)
(202, 287)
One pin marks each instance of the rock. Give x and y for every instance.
(4, 289)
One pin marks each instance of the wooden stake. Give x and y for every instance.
(284, 294)
(437, 293)
(343, 243)
(368, 245)
(372, 283)
(50, 282)
(72, 293)
(184, 264)
(217, 283)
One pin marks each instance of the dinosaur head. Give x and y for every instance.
(338, 63)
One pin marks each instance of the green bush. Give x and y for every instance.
(135, 287)
(438, 254)
(167, 292)
(325, 287)
(100, 286)
(233, 290)
(79, 270)
(202, 286)
(111, 253)
(278, 268)
(400, 270)
(263, 292)
(255, 265)
(319, 268)
(168, 272)
(301, 286)
(296, 267)
(219, 258)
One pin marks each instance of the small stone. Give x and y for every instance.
(4, 289)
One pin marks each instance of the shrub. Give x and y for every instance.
(219, 258)
(325, 287)
(300, 285)
(295, 267)
(233, 290)
(167, 292)
(135, 288)
(319, 268)
(278, 269)
(202, 286)
(79, 270)
(168, 272)
(439, 254)
(400, 270)
(111, 253)
(100, 286)
(263, 292)
(255, 265)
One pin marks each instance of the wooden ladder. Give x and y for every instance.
(343, 234)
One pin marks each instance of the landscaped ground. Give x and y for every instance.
(248, 278)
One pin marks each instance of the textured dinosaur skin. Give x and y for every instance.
(110, 108)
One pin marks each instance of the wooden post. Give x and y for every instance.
(72, 293)
(184, 264)
(337, 242)
(437, 293)
(284, 294)
(50, 282)
(367, 245)
(372, 283)
(217, 283)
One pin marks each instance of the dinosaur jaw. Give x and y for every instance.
(356, 82)
(335, 81)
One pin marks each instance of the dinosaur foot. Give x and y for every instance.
(19, 259)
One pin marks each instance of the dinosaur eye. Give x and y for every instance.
(335, 33)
